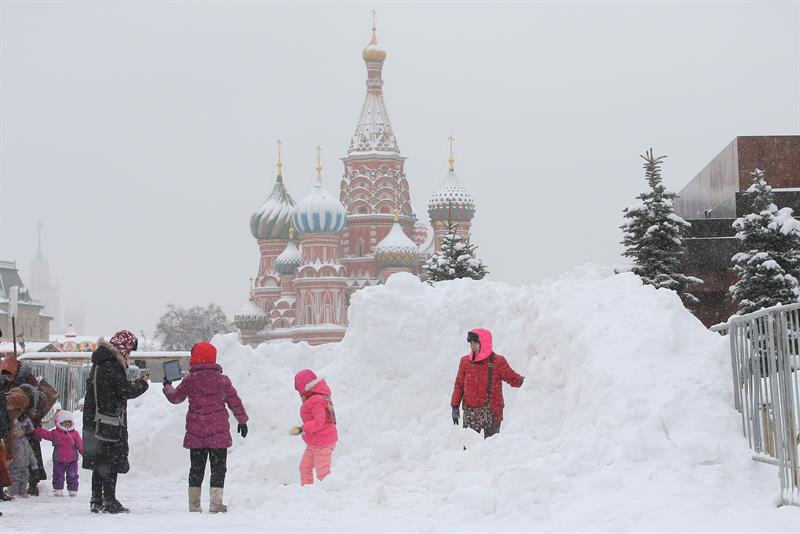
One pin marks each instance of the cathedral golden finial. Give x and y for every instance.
(280, 163)
(319, 163)
(374, 39)
(251, 289)
(451, 160)
(291, 228)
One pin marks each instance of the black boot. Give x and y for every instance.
(95, 506)
(114, 507)
(33, 490)
(5, 496)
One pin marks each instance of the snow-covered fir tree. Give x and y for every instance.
(769, 265)
(653, 235)
(455, 259)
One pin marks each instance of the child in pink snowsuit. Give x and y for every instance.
(67, 444)
(319, 426)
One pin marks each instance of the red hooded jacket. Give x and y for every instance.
(472, 379)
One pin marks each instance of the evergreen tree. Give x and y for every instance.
(769, 265)
(456, 259)
(653, 235)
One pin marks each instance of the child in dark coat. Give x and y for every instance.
(208, 431)
(23, 460)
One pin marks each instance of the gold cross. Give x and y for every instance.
(319, 162)
(279, 148)
(451, 160)
(373, 19)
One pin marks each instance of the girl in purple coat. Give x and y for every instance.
(67, 444)
(208, 431)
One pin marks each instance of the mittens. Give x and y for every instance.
(456, 415)
(296, 430)
(242, 429)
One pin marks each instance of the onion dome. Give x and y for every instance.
(421, 232)
(273, 219)
(251, 317)
(451, 201)
(319, 211)
(290, 259)
(373, 52)
(396, 249)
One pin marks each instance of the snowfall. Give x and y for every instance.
(625, 423)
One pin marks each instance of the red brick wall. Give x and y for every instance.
(777, 155)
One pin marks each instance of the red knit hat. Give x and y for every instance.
(203, 352)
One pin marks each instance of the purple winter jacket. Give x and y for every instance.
(207, 425)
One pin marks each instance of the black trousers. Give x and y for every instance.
(104, 488)
(491, 430)
(197, 471)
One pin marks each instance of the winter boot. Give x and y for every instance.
(58, 493)
(114, 507)
(216, 501)
(95, 507)
(194, 499)
(33, 490)
(73, 493)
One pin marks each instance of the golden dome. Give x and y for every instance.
(373, 52)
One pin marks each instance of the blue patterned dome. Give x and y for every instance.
(319, 211)
(273, 218)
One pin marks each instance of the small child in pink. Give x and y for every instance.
(319, 426)
(67, 444)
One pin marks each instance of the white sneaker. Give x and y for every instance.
(58, 493)
(73, 493)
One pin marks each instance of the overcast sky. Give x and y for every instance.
(143, 134)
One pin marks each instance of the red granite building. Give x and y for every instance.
(713, 199)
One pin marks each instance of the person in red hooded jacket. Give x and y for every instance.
(483, 403)
(319, 426)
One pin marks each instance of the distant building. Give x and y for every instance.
(72, 342)
(47, 292)
(33, 323)
(713, 199)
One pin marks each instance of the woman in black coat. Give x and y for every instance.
(105, 458)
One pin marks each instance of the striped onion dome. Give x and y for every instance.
(273, 219)
(319, 211)
(251, 317)
(288, 260)
(396, 249)
(451, 201)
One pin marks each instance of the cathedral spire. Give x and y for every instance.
(451, 160)
(374, 130)
(280, 163)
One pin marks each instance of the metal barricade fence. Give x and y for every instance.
(765, 363)
(69, 381)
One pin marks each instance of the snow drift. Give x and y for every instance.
(624, 423)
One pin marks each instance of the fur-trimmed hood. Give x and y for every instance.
(106, 351)
(307, 383)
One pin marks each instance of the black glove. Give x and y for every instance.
(455, 415)
(167, 381)
(242, 429)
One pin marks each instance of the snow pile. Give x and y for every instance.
(624, 423)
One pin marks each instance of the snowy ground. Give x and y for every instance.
(624, 424)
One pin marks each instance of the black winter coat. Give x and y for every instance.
(113, 391)
(3, 416)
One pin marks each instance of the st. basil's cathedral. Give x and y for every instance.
(315, 253)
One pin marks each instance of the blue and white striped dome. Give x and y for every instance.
(319, 211)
